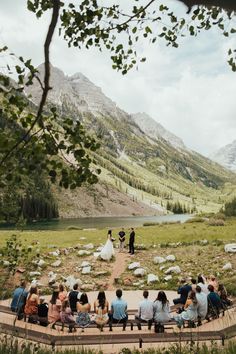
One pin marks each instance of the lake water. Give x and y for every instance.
(100, 222)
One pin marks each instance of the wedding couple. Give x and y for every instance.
(108, 252)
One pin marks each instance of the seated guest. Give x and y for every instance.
(214, 303)
(183, 290)
(161, 311)
(43, 312)
(54, 306)
(202, 303)
(19, 300)
(202, 283)
(193, 284)
(145, 310)
(212, 281)
(118, 310)
(101, 307)
(31, 305)
(62, 293)
(74, 297)
(66, 314)
(190, 310)
(83, 308)
(222, 292)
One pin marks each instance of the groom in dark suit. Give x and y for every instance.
(131, 241)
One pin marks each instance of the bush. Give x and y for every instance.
(195, 219)
(230, 208)
(216, 222)
(151, 224)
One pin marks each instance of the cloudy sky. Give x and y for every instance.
(189, 90)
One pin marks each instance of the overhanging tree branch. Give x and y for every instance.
(46, 88)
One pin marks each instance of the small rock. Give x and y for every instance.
(152, 278)
(230, 248)
(170, 258)
(168, 277)
(139, 272)
(128, 281)
(203, 242)
(227, 266)
(20, 270)
(134, 265)
(162, 267)
(159, 260)
(99, 248)
(175, 270)
(56, 264)
(86, 270)
(34, 274)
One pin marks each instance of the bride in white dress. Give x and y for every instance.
(108, 251)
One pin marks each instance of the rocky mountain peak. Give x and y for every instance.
(155, 130)
(226, 156)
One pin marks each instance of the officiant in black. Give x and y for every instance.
(131, 241)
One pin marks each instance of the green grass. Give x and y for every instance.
(148, 235)
(12, 346)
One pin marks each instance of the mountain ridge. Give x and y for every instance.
(226, 156)
(147, 167)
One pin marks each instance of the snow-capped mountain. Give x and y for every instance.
(226, 156)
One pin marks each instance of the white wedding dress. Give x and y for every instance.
(108, 251)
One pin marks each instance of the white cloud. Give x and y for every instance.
(189, 90)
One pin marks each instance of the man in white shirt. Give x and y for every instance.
(145, 311)
(202, 303)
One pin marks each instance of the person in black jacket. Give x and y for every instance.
(131, 241)
(74, 297)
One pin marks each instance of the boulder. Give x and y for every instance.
(175, 270)
(41, 263)
(86, 270)
(89, 246)
(56, 264)
(152, 278)
(134, 265)
(158, 260)
(54, 253)
(96, 254)
(227, 266)
(170, 258)
(6, 263)
(83, 253)
(230, 248)
(139, 272)
(52, 278)
(70, 281)
(85, 264)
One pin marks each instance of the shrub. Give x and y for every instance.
(216, 222)
(230, 208)
(195, 219)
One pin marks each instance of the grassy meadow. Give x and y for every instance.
(197, 247)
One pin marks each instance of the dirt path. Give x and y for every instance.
(118, 268)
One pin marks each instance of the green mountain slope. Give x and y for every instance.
(147, 169)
